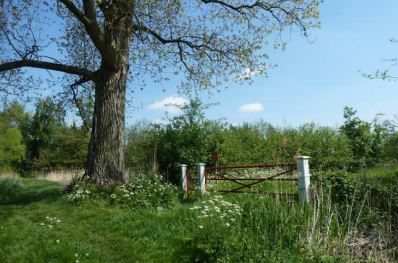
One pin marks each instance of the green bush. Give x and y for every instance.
(341, 184)
(10, 188)
(140, 191)
(377, 203)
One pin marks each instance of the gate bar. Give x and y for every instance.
(251, 166)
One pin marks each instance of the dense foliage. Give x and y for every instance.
(40, 141)
(191, 138)
(140, 191)
(373, 194)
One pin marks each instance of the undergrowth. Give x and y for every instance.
(145, 220)
(140, 191)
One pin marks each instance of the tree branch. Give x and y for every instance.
(92, 28)
(177, 40)
(241, 9)
(46, 65)
(89, 10)
(80, 108)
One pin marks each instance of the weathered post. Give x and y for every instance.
(303, 170)
(183, 178)
(200, 171)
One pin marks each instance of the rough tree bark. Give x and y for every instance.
(105, 161)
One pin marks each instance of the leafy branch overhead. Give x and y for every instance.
(208, 40)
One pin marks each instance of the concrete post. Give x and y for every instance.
(183, 177)
(200, 171)
(303, 170)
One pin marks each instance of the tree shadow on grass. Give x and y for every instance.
(33, 194)
(28, 194)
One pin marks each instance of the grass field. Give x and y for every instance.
(39, 224)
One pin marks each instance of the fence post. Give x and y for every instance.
(200, 171)
(183, 177)
(303, 170)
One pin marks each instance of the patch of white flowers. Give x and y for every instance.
(79, 194)
(139, 191)
(143, 190)
(51, 221)
(217, 209)
(77, 256)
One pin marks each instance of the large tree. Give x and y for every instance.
(101, 45)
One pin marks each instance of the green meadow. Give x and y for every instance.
(40, 222)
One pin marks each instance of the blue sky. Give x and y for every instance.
(314, 79)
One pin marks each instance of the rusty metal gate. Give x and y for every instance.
(244, 178)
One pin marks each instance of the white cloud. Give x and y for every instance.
(251, 107)
(170, 104)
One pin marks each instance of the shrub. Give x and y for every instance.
(80, 193)
(141, 191)
(9, 188)
(376, 203)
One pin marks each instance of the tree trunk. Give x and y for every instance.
(105, 162)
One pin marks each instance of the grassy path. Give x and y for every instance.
(29, 231)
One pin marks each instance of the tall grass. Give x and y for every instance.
(276, 230)
(60, 176)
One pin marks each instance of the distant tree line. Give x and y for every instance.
(191, 138)
(42, 140)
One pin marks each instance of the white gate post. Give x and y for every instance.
(183, 177)
(200, 171)
(303, 170)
